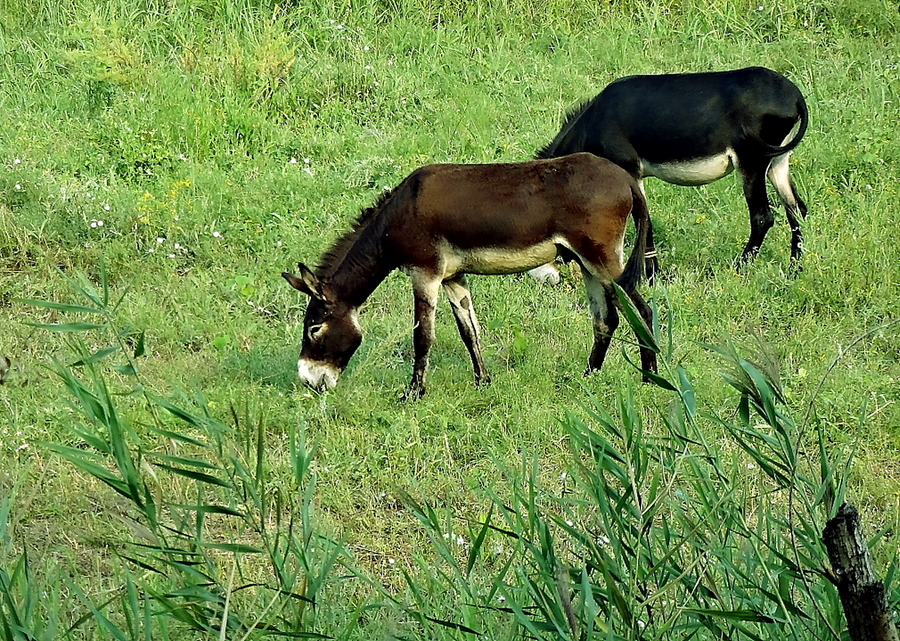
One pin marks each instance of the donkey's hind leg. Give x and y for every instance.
(780, 176)
(651, 255)
(461, 302)
(761, 216)
(648, 356)
(601, 301)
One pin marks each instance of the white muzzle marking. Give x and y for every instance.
(319, 376)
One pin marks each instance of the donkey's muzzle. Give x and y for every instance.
(319, 376)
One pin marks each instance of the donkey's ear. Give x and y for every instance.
(307, 282)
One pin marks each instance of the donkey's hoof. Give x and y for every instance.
(482, 381)
(412, 394)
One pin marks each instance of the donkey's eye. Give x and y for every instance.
(315, 330)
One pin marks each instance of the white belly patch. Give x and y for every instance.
(698, 171)
(498, 260)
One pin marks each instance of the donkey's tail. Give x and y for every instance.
(634, 268)
(776, 150)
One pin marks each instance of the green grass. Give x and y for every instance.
(219, 145)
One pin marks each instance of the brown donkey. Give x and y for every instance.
(445, 221)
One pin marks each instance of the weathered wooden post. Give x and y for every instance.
(863, 595)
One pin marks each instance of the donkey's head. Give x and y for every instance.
(331, 332)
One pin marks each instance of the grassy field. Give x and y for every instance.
(185, 154)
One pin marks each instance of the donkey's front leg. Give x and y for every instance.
(425, 289)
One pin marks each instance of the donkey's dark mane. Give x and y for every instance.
(338, 251)
(572, 115)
